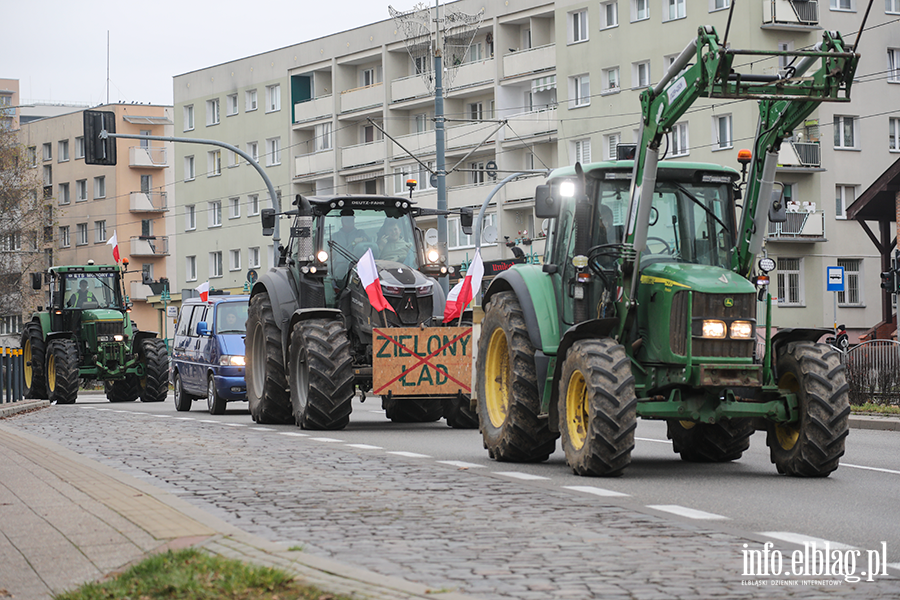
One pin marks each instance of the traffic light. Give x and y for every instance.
(887, 281)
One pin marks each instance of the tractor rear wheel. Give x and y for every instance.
(812, 446)
(459, 413)
(597, 408)
(62, 371)
(155, 359)
(321, 374)
(408, 410)
(34, 353)
(124, 390)
(267, 394)
(508, 399)
(723, 441)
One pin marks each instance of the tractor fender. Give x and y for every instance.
(799, 334)
(141, 335)
(303, 314)
(537, 298)
(279, 284)
(59, 335)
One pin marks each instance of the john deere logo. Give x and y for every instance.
(729, 302)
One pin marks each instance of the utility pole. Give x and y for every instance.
(439, 142)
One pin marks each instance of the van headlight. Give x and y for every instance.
(231, 360)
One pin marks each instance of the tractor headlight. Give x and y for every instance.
(392, 290)
(567, 189)
(322, 256)
(228, 360)
(424, 290)
(433, 255)
(741, 330)
(118, 338)
(713, 329)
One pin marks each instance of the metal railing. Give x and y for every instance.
(12, 375)
(799, 226)
(809, 153)
(873, 372)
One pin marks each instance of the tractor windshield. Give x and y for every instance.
(90, 290)
(349, 233)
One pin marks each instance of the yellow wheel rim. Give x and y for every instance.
(687, 424)
(496, 388)
(29, 374)
(787, 434)
(577, 416)
(51, 373)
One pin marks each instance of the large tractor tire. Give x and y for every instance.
(155, 359)
(710, 442)
(321, 374)
(62, 371)
(459, 414)
(597, 408)
(34, 354)
(183, 400)
(813, 446)
(124, 390)
(267, 394)
(508, 398)
(409, 410)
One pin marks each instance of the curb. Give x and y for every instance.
(875, 422)
(13, 408)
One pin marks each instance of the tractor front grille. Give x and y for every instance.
(110, 328)
(410, 309)
(711, 306)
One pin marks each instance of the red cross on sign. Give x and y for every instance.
(415, 362)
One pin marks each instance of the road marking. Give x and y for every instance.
(410, 454)
(461, 464)
(588, 489)
(185, 419)
(262, 429)
(871, 469)
(234, 424)
(653, 440)
(365, 446)
(517, 475)
(162, 416)
(206, 421)
(799, 539)
(326, 439)
(293, 434)
(684, 511)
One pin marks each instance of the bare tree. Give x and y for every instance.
(25, 212)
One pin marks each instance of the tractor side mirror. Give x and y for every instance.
(777, 208)
(37, 281)
(267, 216)
(465, 220)
(545, 205)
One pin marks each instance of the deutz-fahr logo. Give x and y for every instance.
(728, 302)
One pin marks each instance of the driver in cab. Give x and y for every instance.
(81, 296)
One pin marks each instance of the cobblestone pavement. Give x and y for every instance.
(445, 527)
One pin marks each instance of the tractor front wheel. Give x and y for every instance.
(410, 410)
(459, 414)
(321, 374)
(155, 360)
(34, 354)
(813, 445)
(62, 371)
(267, 394)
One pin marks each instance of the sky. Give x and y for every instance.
(58, 50)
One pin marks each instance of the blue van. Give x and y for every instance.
(208, 352)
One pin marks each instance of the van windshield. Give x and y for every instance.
(231, 317)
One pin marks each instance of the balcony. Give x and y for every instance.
(522, 188)
(800, 156)
(362, 154)
(530, 124)
(139, 291)
(804, 226)
(790, 15)
(407, 88)
(417, 143)
(363, 97)
(149, 202)
(153, 245)
(314, 162)
(529, 61)
(314, 109)
(472, 74)
(152, 157)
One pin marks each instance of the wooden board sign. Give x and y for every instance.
(416, 362)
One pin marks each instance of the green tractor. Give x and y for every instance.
(87, 334)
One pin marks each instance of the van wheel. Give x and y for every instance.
(214, 402)
(183, 400)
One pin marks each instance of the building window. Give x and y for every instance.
(894, 65)
(234, 262)
(64, 241)
(11, 242)
(212, 112)
(578, 26)
(476, 172)
(250, 100)
(580, 90)
(640, 10)
(190, 268)
(851, 295)
(640, 74)
(718, 4)
(215, 264)
(323, 137)
(845, 133)
(235, 208)
(253, 204)
(273, 98)
(81, 234)
(190, 217)
(674, 9)
(790, 289)
(189, 172)
(47, 151)
(679, 139)
(63, 151)
(844, 195)
(64, 193)
(611, 80)
(611, 143)
(31, 156)
(189, 117)
(582, 151)
(214, 163)
(79, 147)
(723, 136)
(81, 190)
(99, 232)
(273, 152)
(843, 5)
(894, 134)
(892, 6)
(413, 171)
(48, 175)
(475, 110)
(456, 239)
(231, 104)
(99, 187)
(421, 121)
(234, 159)
(609, 14)
(215, 214)
(253, 257)
(10, 324)
(253, 151)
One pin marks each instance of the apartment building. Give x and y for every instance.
(87, 204)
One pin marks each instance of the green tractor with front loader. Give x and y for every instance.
(86, 334)
(653, 313)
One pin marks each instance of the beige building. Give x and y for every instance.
(9, 98)
(88, 204)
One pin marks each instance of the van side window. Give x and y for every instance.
(199, 314)
(184, 320)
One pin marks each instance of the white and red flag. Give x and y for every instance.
(461, 294)
(114, 242)
(368, 274)
(203, 288)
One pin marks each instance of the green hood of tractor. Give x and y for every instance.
(101, 314)
(700, 278)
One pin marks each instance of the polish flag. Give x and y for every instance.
(368, 273)
(114, 242)
(461, 294)
(203, 288)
